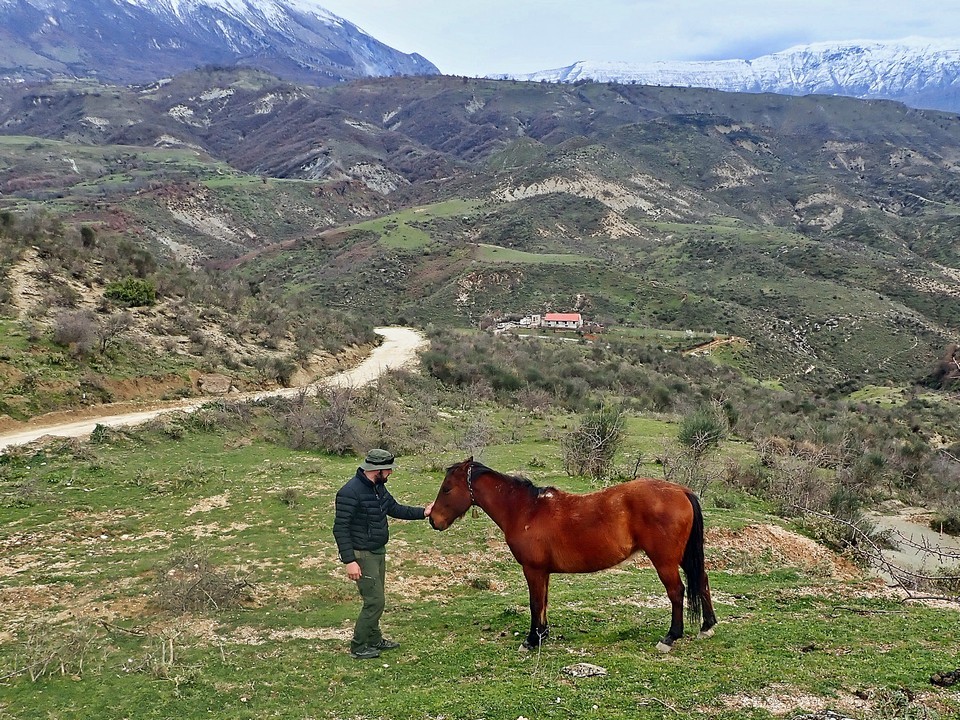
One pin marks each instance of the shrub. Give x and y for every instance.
(76, 330)
(589, 448)
(701, 431)
(88, 236)
(131, 291)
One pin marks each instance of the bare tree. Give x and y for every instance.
(476, 436)
(75, 329)
(112, 327)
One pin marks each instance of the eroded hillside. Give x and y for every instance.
(822, 230)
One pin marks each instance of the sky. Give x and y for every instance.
(486, 37)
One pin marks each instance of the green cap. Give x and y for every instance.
(378, 459)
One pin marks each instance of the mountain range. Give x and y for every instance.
(141, 41)
(918, 72)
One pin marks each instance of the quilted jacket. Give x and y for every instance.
(360, 522)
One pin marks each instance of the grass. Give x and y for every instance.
(404, 230)
(82, 554)
(42, 377)
(495, 254)
(880, 395)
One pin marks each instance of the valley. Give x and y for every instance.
(776, 281)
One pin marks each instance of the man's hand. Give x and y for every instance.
(353, 570)
(427, 510)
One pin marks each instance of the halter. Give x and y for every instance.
(473, 499)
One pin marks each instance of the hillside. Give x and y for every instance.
(188, 567)
(822, 230)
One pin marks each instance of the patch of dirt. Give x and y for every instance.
(210, 529)
(210, 503)
(738, 551)
(210, 631)
(648, 195)
(63, 602)
(780, 699)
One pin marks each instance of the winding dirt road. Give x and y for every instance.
(399, 349)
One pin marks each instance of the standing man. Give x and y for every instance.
(361, 531)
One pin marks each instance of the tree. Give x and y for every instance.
(113, 327)
(88, 236)
(75, 329)
(699, 435)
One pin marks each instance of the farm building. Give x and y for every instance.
(567, 321)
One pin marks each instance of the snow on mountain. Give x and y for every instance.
(142, 40)
(919, 72)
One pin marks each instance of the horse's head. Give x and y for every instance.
(455, 496)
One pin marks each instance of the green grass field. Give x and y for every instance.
(404, 230)
(90, 531)
(492, 253)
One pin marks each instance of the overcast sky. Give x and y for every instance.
(484, 37)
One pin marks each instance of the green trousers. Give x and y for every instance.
(373, 565)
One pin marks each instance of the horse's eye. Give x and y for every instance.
(445, 490)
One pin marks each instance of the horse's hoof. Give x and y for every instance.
(706, 633)
(663, 647)
(524, 647)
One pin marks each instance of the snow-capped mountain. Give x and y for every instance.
(916, 71)
(130, 41)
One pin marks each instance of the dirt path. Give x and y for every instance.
(399, 349)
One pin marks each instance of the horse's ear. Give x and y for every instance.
(468, 461)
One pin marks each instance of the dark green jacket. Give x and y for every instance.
(360, 522)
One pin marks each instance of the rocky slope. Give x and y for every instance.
(140, 41)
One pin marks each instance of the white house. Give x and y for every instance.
(566, 321)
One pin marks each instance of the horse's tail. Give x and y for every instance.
(693, 564)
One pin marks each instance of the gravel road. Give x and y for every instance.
(399, 349)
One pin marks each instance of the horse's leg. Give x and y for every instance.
(670, 577)
(538, 582)
(709, 616)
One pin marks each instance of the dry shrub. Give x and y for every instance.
(190, 581)
(47, 651)
(76, 330)
(326, 422)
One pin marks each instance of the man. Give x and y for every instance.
(361, 531)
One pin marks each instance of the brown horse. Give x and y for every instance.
(550, 531)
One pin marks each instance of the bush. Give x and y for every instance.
(133, 292)
(701, 431)
(76, 330)
(589, 449)
(950, 524)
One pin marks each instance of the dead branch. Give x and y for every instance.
(906, 580)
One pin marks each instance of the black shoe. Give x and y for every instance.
(385, 644)
(365, 653)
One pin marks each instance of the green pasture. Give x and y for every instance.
(880, 395)
(405, 230)
(495, 254)
(89, 531)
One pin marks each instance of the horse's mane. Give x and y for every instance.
(524, 483)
